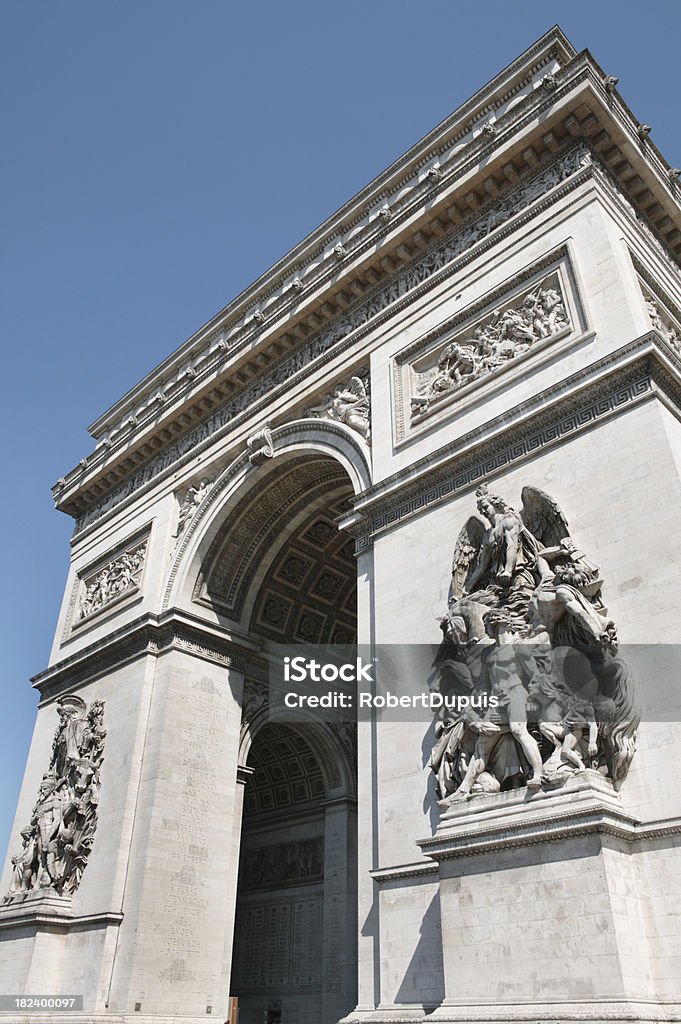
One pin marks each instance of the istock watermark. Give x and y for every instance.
(429, 682)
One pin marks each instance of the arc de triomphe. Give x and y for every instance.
(478, 355)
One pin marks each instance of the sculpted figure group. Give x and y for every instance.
(528, 641)
(116, 579)
(499, 338)
(58, 839)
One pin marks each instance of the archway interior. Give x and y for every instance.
(277, 963)
(280, 568)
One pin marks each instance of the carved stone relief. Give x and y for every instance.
(58, 839)
(189, 503)
(349, 403)
(529, 641)
(662, 320)
(471, 232)
(489, 343)
(119, 578)
(285, 863)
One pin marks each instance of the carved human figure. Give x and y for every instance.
(190, 503)
(527, 626)
(348, 404)
(47, 815)
(500, 337)
(25, 863)
(507, 545)
(458, 364)
(59, 837)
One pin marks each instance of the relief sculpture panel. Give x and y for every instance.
(435, 375)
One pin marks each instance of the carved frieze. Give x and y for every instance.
(120, 577)
(529, 313)
(509, 331)
(284, 864)
(58, 839)
(397, 289)
(530, 645)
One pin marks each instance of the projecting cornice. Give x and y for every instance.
(644, 369)
(543, 104)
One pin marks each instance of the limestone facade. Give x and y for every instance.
(502, 305)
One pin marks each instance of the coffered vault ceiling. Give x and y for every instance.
(279, 564)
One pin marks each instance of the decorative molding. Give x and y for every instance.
(631, 1011)
(151, 635)
(480, 230)
(454, 146)
(260, 446)
(256, 523)
(113, 579)
(327, 431)
(628, 375)
(516, 101)
(40, 914)
(393, 874)
(481, 344)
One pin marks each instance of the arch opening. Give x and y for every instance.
(279, 567)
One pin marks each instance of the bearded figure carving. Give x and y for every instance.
(528, 635)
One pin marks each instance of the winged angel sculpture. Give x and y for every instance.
(529, 658)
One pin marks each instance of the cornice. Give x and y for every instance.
(424, 869)
(554, 45)
(644, 368)
(617, 1011)
(479, 231)
(505, 835)
(149, 635)
(540, 122)
(37, 915)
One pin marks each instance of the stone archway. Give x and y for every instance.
(275, 566)
(294, 954)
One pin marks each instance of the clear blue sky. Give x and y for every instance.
(158, 156)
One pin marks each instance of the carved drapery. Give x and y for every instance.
(190, 501)
(529, 659)
(349, 403)
(58, 839)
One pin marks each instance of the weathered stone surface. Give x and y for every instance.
(499, 310)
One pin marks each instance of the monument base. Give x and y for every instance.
(557, 1013)
(543, 911)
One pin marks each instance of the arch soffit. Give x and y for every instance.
(300, 437)
(334, 756)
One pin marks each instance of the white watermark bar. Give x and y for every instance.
(38, 1004)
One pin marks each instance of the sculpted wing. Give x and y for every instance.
(619, 733)
(543, 517)
(356, 387)
(466, 552)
